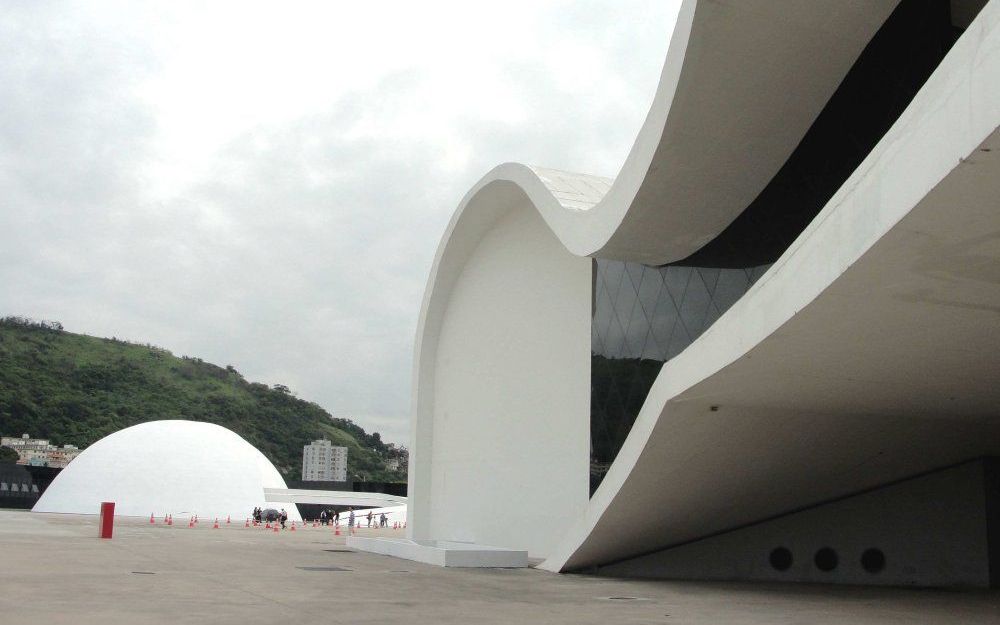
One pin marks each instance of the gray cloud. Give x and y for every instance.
(300, 255)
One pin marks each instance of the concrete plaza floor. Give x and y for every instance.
(54, 570)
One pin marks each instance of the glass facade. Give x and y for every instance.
(642, 317)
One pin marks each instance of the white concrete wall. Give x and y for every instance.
(510, 391)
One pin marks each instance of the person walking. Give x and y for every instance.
(336, 518)
(350, 519)
(284, 517)
(322, 517)
(369, 519)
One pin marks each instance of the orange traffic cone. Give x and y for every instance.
(216, 526)
(191, 522)
(275, 530)
(293, 526)
(151, 519)
(267, 526)
(336, 532)
(170, 519)
(247, 524)
(227, 519)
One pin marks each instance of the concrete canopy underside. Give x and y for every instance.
(867, 353)
(332, 497)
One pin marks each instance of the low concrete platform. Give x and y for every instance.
(442, 552)
(54, 570)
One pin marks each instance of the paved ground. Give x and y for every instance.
(54, 570)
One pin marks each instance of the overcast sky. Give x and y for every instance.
(264, 185)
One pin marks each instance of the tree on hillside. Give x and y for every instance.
(73, 388)
(27, 322)
(8, 455)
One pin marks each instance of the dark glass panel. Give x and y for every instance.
(654, 314)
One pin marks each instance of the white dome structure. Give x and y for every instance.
(167, 467)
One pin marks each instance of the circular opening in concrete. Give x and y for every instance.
(826, 559)
(873, 560)
(781, 559)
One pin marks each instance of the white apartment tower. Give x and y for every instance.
(321, 461)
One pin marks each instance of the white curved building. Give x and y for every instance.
(765, 349)
(167, 467)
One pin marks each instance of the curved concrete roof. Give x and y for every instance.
(160, 467)
(741, 84)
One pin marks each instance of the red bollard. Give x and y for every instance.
(107, 520)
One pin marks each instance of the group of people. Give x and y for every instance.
(259, 515)
(329, 516)
(326, 517)
(332, 516)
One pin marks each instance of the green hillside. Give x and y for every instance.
(75, 389)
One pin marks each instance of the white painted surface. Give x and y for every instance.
(505, 385)
(166, 467)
